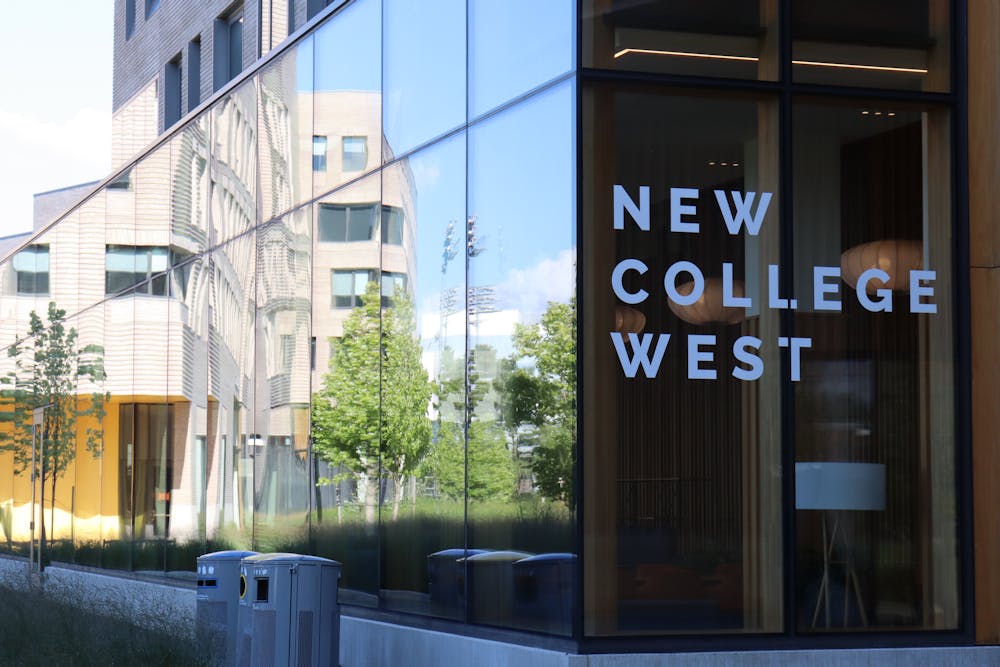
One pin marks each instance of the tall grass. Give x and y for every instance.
(39, 630)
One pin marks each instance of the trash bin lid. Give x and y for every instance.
(457, 553)
(231, 554)
(548, 558)
(289, 558)
(498, 557)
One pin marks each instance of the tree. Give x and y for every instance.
(546, 396)
(48, 366)
(370, 415)
(491, 472)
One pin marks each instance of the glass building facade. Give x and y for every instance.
(597, 320)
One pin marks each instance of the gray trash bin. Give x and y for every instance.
(446, 580)
(217, 604)
(289, 614)
(544, 592)
(491, 586)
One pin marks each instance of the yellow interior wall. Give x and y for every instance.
(95, 479)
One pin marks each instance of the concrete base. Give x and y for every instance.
(366, 643)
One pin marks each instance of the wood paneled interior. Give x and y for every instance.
(984, 255)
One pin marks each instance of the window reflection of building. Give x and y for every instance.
(32, 267)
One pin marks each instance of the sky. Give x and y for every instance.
(55, 108)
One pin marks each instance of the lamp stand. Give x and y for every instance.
(850, 576)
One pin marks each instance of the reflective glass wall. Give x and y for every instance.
(768, 344)
(335, 313)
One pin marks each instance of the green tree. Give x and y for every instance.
(48, 366)
(546, 395)
(491, 470)
(372, 405)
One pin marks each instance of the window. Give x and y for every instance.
(339, 223)
(172, 82)
(151, 6)
(32, 268)
(286, 351)
(349, 286)
(227, 54)
(355, 156)
(391, 284)
(145, 268)
(392, 225)
(235, 46)
(319, 153)
(194, 73)
(123, 183)
(129, 18)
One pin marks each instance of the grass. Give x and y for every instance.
(38, 630)
(390, 554)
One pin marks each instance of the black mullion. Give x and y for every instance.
(786, 326)
(578, 496)
(962, 325)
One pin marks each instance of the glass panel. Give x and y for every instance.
(347, 99)
(360, 221)
(520, 365)
(234, 163)
(189, 186)
(423, 393)
(683, 373)
(726, 38)
(345, 417)
(332, 221)
(286, 106)
(423, 72)
(883, 44)
(87, 498)
(874, 410)
(355, 153)
(283, 473)
(516, 46)
(232, 438)
(119, 464)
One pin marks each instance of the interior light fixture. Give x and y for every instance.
(808, 63)
(686, 54)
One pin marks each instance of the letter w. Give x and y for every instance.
(641, 353)
(743, 206)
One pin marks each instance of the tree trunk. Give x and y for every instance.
(397, 494)
(413, 494)
(371, 494)
(52, 508)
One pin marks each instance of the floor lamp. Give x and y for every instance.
(834, 488)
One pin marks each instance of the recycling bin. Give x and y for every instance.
(217, 604)
(289, 613)
(446, 580)
(491, 586)
(544, 591)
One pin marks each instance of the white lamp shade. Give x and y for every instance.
(628, 320)
(823, 485)
(708, 309)
(897, 257)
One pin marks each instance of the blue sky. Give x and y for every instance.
(55, 109)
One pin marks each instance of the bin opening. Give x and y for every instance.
(262, 585)
(207, 583)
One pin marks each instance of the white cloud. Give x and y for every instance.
(42, 155)
(530, 290)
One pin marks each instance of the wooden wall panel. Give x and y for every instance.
(984, 237)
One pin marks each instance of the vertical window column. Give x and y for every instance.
(227, 56)
(194, 73)
(172, 86)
